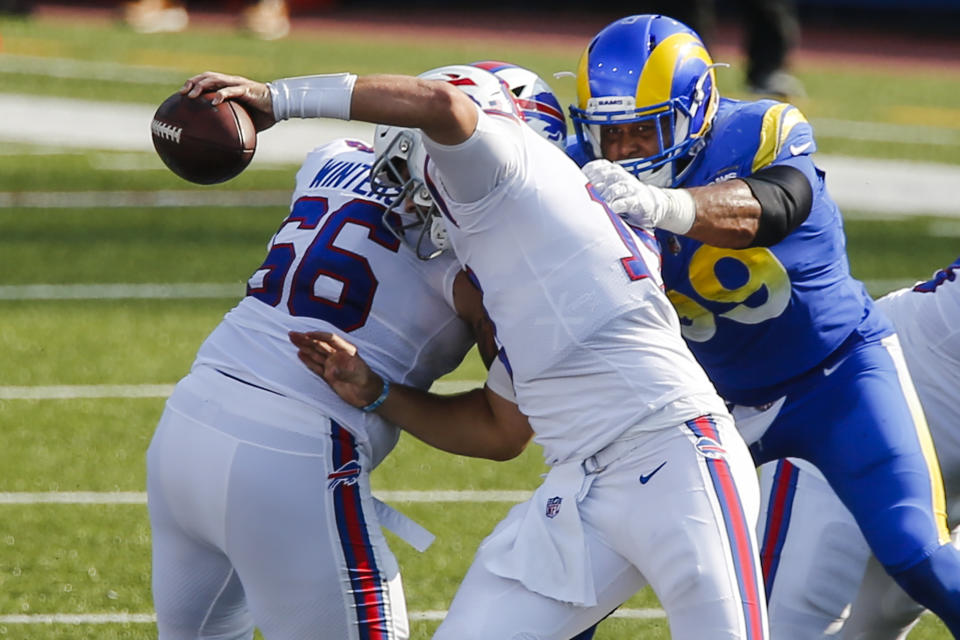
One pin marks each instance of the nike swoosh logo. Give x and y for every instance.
(797, 149)
(644, 479)
(828, 370)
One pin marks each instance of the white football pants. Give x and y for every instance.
(676, 512)
(255, 524)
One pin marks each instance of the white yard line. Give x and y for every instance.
(90, 70)
(84, 391)
(69, 123)
(74, 497)
(175, 199)
(149, 618)
(218, 290)
(79, 618)
(122, 290)
(140, 497)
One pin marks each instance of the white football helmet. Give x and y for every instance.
(400, 162)
(486, 89)
(538, 104)
(397, 172)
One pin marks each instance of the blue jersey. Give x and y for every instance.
(756, 318)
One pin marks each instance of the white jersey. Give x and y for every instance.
(576, 298)
(334, 266)
(927, 320)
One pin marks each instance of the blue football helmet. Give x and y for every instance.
(538, 104)
(650, 69)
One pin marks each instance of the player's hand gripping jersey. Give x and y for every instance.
(793, 303)
(334, 266)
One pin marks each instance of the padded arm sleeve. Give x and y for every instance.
(785, 197)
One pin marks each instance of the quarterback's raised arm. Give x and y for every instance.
(444, 114)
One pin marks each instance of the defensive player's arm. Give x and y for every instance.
(445, 114)
(758, 210)
(727, 215)
(478, 423)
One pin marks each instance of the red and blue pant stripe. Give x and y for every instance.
(367, 585)
(738, 530)
(777, 523)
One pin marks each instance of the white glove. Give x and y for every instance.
(638, 203)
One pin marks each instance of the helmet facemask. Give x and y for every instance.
(397, 174)
(648, 69)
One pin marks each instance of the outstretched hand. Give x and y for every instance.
(623, 193)
(641, 204)
(255, 96)
(338, 363)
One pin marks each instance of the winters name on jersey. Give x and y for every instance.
(349, 176)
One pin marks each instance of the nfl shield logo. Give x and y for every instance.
(553, 506)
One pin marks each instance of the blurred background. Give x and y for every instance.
(113, 270)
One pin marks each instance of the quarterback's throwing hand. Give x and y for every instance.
(338, 363)
(255, 96)
(638, 203)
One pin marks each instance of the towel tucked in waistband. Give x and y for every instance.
(541, 542)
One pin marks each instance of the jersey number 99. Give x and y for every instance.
(757, 289)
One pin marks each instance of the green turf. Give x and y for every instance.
(162, 62)
(103, 342)
(190, 244)
(76, 445)
(62, 559)
(102, 552)
(31, 168)
(904, 250)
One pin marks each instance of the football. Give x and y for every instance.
(202, 142)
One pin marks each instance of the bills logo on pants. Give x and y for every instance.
(346, 474)
(367, 584)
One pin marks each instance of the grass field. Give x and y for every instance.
(88, 360)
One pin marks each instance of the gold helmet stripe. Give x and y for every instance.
(656, 78)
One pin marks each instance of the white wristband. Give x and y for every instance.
(679, 210)
(324, 96)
